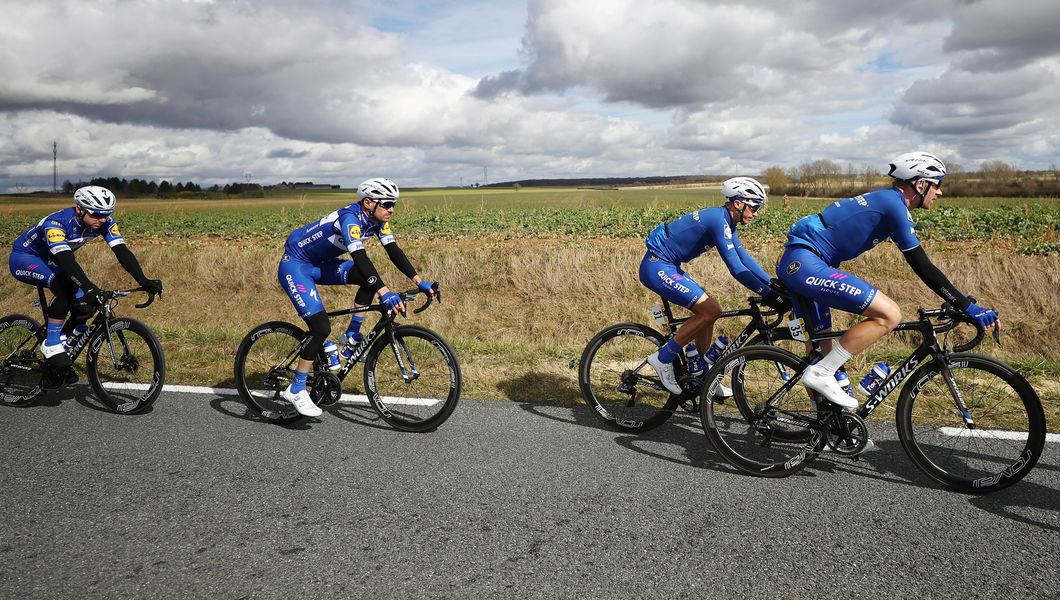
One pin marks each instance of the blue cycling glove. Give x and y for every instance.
(425, 286)
(985, 317)
(391, 299)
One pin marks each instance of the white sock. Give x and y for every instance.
(835, 359)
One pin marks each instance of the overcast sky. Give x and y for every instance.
(431, 92)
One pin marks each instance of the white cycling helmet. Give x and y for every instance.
(743, 188)
(378, 188)
(918, 165)
(95, 199)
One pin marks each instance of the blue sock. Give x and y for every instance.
(54, 331)
(668, 353)
(299, 382)
(354, 329)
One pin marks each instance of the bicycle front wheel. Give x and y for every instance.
(264, 366)
(767, 431)
(1001, 447)
(617, 383)
(413, 380)
(20, 363)
(126, 368)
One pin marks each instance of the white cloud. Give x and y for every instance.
(429, 92)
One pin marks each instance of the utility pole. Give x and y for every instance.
(484, 179)
(55, 166)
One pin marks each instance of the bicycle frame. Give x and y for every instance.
(929, 348)
(385, 325)
(103, 317)
(758, 324)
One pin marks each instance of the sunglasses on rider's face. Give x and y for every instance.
(753, 206)
(387, 204)
(98, 215)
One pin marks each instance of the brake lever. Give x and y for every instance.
(997, 333)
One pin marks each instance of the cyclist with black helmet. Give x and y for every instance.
(671, 244)
(312, 256)
(818, 243)
(43, 256)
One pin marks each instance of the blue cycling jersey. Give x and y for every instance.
(63, 230)
(696, 233)
(848, 228)
(342, 231)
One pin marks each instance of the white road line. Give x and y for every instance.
(195, 389)
(993, 434)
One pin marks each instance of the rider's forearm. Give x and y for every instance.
(934, 278)
(128, 261)
(369, 275)
(70, 267)
(397, 256)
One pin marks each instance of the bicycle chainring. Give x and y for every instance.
(326, 389)
(848, 434)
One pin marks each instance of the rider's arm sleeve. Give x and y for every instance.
(364, 266)
(70, 267)
(934, 278)
(128, 262)
(397, 256)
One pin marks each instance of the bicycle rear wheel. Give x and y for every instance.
(1009, 432)
(617, 383)
(414, 381)
(20, 363)
(128, 371)
(264, 366)
(766, 432)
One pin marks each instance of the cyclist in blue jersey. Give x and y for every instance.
(313, 255)
(671, 244)
(43, 256)
(819, 243)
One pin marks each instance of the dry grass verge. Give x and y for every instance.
(519, 312)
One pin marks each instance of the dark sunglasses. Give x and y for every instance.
(387, 204)
(754, 207)
(98, 215)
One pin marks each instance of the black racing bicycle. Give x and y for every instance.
(411, 374)
(966, 420)
(626, 393)
(124, 360)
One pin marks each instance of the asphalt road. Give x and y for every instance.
(193, 499)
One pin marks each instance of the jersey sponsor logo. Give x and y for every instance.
(793, 267)
(30, 274)
(354, 232)
(114, 230)
(286, 257)
(672, 283)
(55, 235)
(860, 200)
(833, 284)
(728, 233)
(311, 239)
(386, 229)
(292, 289)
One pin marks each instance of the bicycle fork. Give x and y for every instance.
(958, 400)
(404, 359)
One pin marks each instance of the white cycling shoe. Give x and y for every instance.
(302, 403)
(50, 351)
(666, 373)
(825, 384)
(723, 391)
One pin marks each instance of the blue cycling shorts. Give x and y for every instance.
(669, 281)
(817, 287)
(32, 269)
(299, 279)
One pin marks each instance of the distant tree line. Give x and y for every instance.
(165, 189)
(824, 178)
